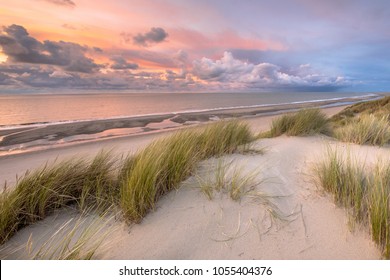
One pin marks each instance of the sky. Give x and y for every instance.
(194, 45)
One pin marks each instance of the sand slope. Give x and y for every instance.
(186, 225)
(292, 219)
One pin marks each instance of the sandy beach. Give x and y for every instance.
(40, 136)
(291, 219)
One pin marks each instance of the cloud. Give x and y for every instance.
(181, 60)
(97, 49)
(121, 64)
(67, 3)
(147, 57)
(69, 26)
(19, 46)
(155, 35)
(5, 79)
(23, 77)
(235, 73)
(60, 74)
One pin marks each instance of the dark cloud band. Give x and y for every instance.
(68, 3)
(19, 46)
(121, 64)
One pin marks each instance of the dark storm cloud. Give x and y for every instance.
(68, 3)
(155, 35)
(19, 46)
(121, 64)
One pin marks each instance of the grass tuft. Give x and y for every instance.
(77, 239)
(37, 194)
(163, 164)
(82, 237)
(142, 179)
(380, 107)
(365, 193)
(379, 206)
(365, 129)
(304, 122)
(224, 178)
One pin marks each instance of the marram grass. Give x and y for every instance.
(224, 177)
(364, 192)
(163, 164)
(38, 193)
(363, 123)
(365, 129)
(301, 123)
(379, 108)
(133, 184)
(81, 237)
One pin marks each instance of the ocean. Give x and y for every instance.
(28, 109)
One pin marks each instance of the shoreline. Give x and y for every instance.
(29, 139)
(16, 164)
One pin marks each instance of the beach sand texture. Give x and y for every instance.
(285, 216)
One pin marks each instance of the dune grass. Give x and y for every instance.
(163, 164)
(301, 123)
(223, 176)
(365, 123)
(81, 237)
(362, 123)
(133, 184)
(380, 108)
(379, 210)
(37, 194)
(364, 192)
(213, 179)
(154, 171)
(365, 129)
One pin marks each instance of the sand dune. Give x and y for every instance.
(285, 216)
(300, 222)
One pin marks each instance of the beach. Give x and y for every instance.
(27, 137)
(292, 218)
(17, 163)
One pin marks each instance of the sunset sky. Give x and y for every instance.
(194, 45)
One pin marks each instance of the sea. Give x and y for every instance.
(18, 110)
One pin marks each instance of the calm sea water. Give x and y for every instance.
(20, 109)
